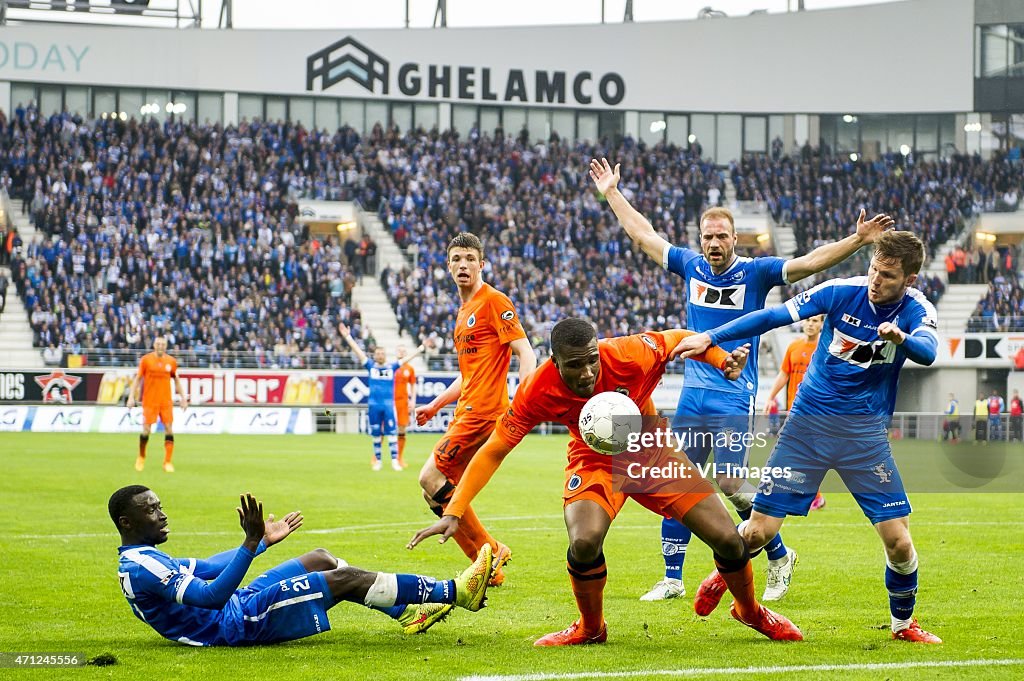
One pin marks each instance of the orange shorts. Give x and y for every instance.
(465, 435)
(603, 480)
(165, 412)
(402, 413)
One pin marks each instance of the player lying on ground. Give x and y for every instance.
(580, 367)
(199, 602)
(838, 420)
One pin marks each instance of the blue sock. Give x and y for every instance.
(394, 612)
(902, 592)
(775, 549)
(376, 447)
(674, 538)
(745, 513)
(420, 589)
(393, 443)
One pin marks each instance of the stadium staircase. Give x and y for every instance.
(16, 336)
(369, 296)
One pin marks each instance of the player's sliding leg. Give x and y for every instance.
(675, 537)
(901, 580)
(587, 524)
(383, 590)
(709, 520)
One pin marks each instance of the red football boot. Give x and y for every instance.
(709, 594)
(915, 634)
(573, 636)
(771, 624)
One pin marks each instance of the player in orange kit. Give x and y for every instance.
(405, 395)
(156, 369)
(487, 334)
(595, 489)
(792, 372)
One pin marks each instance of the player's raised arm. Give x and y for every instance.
(824, 257)
(360, 355)
(636, 225)
(479, 472)
(420, 349)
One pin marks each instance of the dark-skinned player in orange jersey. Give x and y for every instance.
(580, 367)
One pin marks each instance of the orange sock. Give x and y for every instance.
(143, 441)
(588, 580)
(471, 535)
(401, 448)
(168, 448)
(739, 577)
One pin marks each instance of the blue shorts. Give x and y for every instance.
(714, 420)
(285, 604)
(382, 419)
(864, 462)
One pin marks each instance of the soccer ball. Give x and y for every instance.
(607, 420)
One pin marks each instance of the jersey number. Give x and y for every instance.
(300, 583)
(445, 454)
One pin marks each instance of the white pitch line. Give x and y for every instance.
(416, 524)
(721, 671)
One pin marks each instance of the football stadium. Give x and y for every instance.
(604, 339)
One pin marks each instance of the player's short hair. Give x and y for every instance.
(121, 501)
(718, 212)
(467, 240)
(903, 247)
(572, 332)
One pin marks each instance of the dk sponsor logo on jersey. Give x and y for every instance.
(861, 353)
(726, 298)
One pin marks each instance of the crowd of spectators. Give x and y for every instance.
(1002, 308)
(979, 265)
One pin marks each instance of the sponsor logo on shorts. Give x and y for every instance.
(884, 474)
(574, 483)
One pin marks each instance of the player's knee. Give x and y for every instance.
(319, 560)
(731, 546)
(899, 548)
(585, 549)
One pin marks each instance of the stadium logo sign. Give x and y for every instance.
(57, 386)
(349, 59)
(24, 56)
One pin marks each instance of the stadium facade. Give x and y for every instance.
(930, 76)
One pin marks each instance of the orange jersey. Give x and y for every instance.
(485, 327)
(632, 365)
(795, 363)
(405, 378)
(156, 374)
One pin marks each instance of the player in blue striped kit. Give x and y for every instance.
(721, 287)
(839, 417)
(199, 602)
(381, 402)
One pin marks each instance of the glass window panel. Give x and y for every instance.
(563, 123)
(611, 125)
(130, 101)
(376, 112)
(586, 126)
(702, 126)
(994, 51)
(901, 131)
(300, 110)
(277, 109)
(51, 99)
(184, 105)
(463, 119)
(490, 119)
(755, 134)
(210, 108)
(326, 111)
(514, 120)
(652, 128)
(776, 129)
(947, 134)
(250, 107)
(104, 101)
(158, 101)
(677, 129)
(874, 136)
(427, 116)
(847, 134)
(76, 100)
(927, 138)
(538, 122)
(24, 94)
(353, 114)
(729, 141)
(401, 116)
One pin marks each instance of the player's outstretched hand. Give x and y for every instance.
(890, 332)
(691, 345)
(737, 361)
(250, 516)
(869, 230)
(276, 530)
(424, 414)
(446, 527)
(343, 330)
(605, 179)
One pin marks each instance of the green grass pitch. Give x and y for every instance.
(59, 589)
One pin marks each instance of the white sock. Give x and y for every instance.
(899, 625)
(743, 498)
(384, 591)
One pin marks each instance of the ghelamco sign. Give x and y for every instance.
(348, 59)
